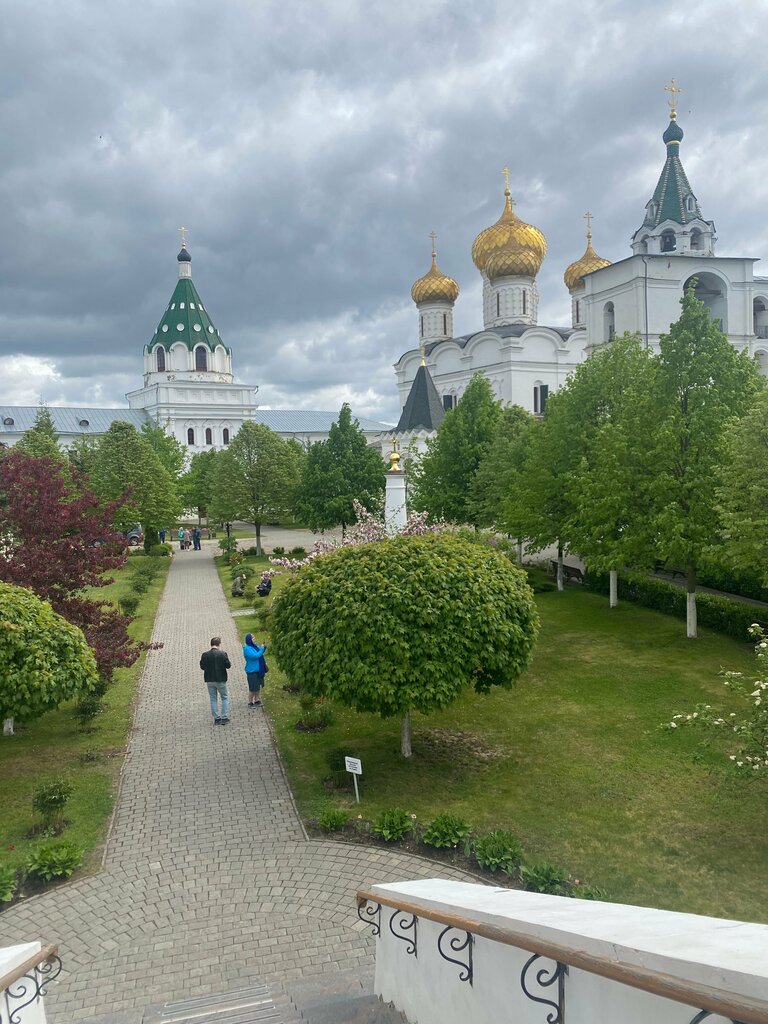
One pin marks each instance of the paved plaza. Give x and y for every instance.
(210, 882)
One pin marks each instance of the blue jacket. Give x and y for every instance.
(252, 656)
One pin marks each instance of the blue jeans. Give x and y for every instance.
(214, 691)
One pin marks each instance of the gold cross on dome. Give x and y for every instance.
(433, 236)
(183, 233)
(506, 172)
(588, 218)
(673, 90)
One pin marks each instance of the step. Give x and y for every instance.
(337, 997)
(253, 1005)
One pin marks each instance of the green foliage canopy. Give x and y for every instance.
(169, 450)
(405, 624)
(336, 473)
(41, 439)
(45, 660)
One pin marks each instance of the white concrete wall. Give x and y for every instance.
(730, 956)
(11, 957)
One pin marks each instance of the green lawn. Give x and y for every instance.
(573, 760)
(54, 746)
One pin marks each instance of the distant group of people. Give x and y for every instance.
(190, 539)
(215, 664)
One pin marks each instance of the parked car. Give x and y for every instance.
(134, 536)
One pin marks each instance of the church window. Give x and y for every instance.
(498, 304)
(445, 323)
(173, 305)
(540, 395)
(201, 362)
(160, 359)
(191, 305)
(210, 330)
(84, 423)
(689, 204)
(179, 327)
(208, 435)
(525, 301)
(8, 421)
(181, 305)
(190, 435)
(421, 326)
(696, 239)
(609, 322)
(225, 435)
(165, 328)
(449, 402)
(578, 311)
(668, 241)
(197, 327)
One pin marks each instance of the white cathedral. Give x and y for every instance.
(526, 361)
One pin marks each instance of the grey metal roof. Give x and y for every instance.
(305, 421)
(68, 421)
(507, 331)
(423, 409)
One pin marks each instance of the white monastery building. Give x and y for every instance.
(525, 361)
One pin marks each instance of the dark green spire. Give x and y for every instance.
(673, 198)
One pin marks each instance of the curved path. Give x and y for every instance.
(210, 882)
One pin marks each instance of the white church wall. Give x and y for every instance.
(446, 358)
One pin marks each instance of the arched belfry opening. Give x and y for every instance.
(760, 316)
(609, 322)
(711, 290)
(201, 358)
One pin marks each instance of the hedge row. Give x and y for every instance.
(718, 613)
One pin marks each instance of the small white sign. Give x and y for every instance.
(354, 765)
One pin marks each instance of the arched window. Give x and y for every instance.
(712, 291)
(208, 435)
(696, 239)
(225, 435)
(690, 204)
(160, 359)
(9, 421)
(190, 435)
(421, 326)
(498, 304)
(201, 359)
(760, 318)
(445, 323)
(578, 311)
(525, 301)
(609, 322)
(540, 396)
(644, 244)
(668, 241)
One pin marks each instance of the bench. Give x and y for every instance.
(660, 566)
(570, 572)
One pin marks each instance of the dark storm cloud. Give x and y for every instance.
(310, 149)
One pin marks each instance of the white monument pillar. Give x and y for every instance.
(395, 512)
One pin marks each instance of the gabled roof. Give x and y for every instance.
(77, 420)
(185, 319)
(307, 421)
(423, 409)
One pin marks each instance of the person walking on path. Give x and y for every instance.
(214, 664)
(255, 669)
(196, 537)
(181, 538)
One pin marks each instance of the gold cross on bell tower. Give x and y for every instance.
(673, 90)
(588, 218)
(183, 233)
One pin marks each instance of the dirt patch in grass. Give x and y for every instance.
(457, 747)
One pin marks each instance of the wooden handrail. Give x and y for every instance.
(701, 997)
(46, 953)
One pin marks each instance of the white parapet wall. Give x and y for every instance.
(15, 999)
(625, 965)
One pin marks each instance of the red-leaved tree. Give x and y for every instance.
(57, 539)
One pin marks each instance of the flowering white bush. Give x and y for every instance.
(751, 724)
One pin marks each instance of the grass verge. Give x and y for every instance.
(55, 746)
(572, 760)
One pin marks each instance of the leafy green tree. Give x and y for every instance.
(498, 475)
(743, 492)
(610, 399)
(444, 477)
(405, 624)
(255, 478)
(701, 384)
(45, 659)
(42, 438)
(83, 452)
(127, 469)
(198, 482)
(336, 473)
(169, 450)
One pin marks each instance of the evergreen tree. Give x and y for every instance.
(127, 470)
(445, 474)
(255, 478)
(701, 384)
(41, 439)
(336, 473)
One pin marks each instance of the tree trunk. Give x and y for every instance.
(613, 578)
(690, 600)
(560, 585)
(405, 735)
(519, 552)
(8, 727)
(258, 539)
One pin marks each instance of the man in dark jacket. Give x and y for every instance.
(214, 664)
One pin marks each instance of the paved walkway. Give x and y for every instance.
(209, 880)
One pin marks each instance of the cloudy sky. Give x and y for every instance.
(310, 148)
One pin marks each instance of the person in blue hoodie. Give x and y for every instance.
(255, 670)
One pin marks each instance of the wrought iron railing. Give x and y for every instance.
(27, 983)
(705, 1000)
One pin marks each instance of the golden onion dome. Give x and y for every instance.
(574, 274)
(435, 286)
(508, 228)
(512, 260)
